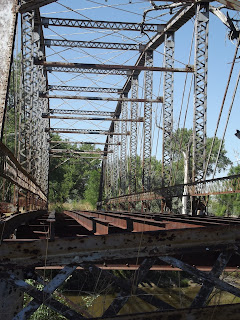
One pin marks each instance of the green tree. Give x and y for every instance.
(92, 187)
(68, 176)
(182, 138)
(227, 204)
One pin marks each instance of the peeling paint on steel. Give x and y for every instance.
(7, 28)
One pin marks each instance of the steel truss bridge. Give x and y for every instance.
(111, 100)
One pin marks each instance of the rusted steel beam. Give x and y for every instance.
(219, 312)
(142, 196)
(8, 10)
(93, 66)
(74, 156)
(91, 118)
(85, 131)
(84, 89)
(11, 169)
(83, 142)
(134, 267)
(91, 44)
(56, 151)
(158, 100)
(118, 246)
(82, 112)
(10, 224)
(224, 185)
(135, 224)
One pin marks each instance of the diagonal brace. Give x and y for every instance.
(201, 298)
(126, 285)
(201, 276)
(26, 312)
(124, 295)
(41, 298)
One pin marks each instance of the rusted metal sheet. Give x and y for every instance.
(118, 246)
(7, 31)
(11, 169)
(218, 312)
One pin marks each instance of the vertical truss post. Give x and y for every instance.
(133, 137)
(42, 144)
(108, 180)
(26, 114)
(200, 91)
(102, 183)
(147, 125)
(123, 152)
(168, 79)
(33, 145)
(115, 158)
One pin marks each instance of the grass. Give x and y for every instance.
(73, 205)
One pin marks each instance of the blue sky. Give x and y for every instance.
(221, 51)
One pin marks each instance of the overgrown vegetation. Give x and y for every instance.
(73, 180)
(74, 183)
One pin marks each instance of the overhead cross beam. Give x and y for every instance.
(83, 131)
(84, 89)
(91, 44)
(82, 142)
(56, 151)
(97, 67)
(81, 112)
(46, 116)
(123, 99)
(94, 24)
